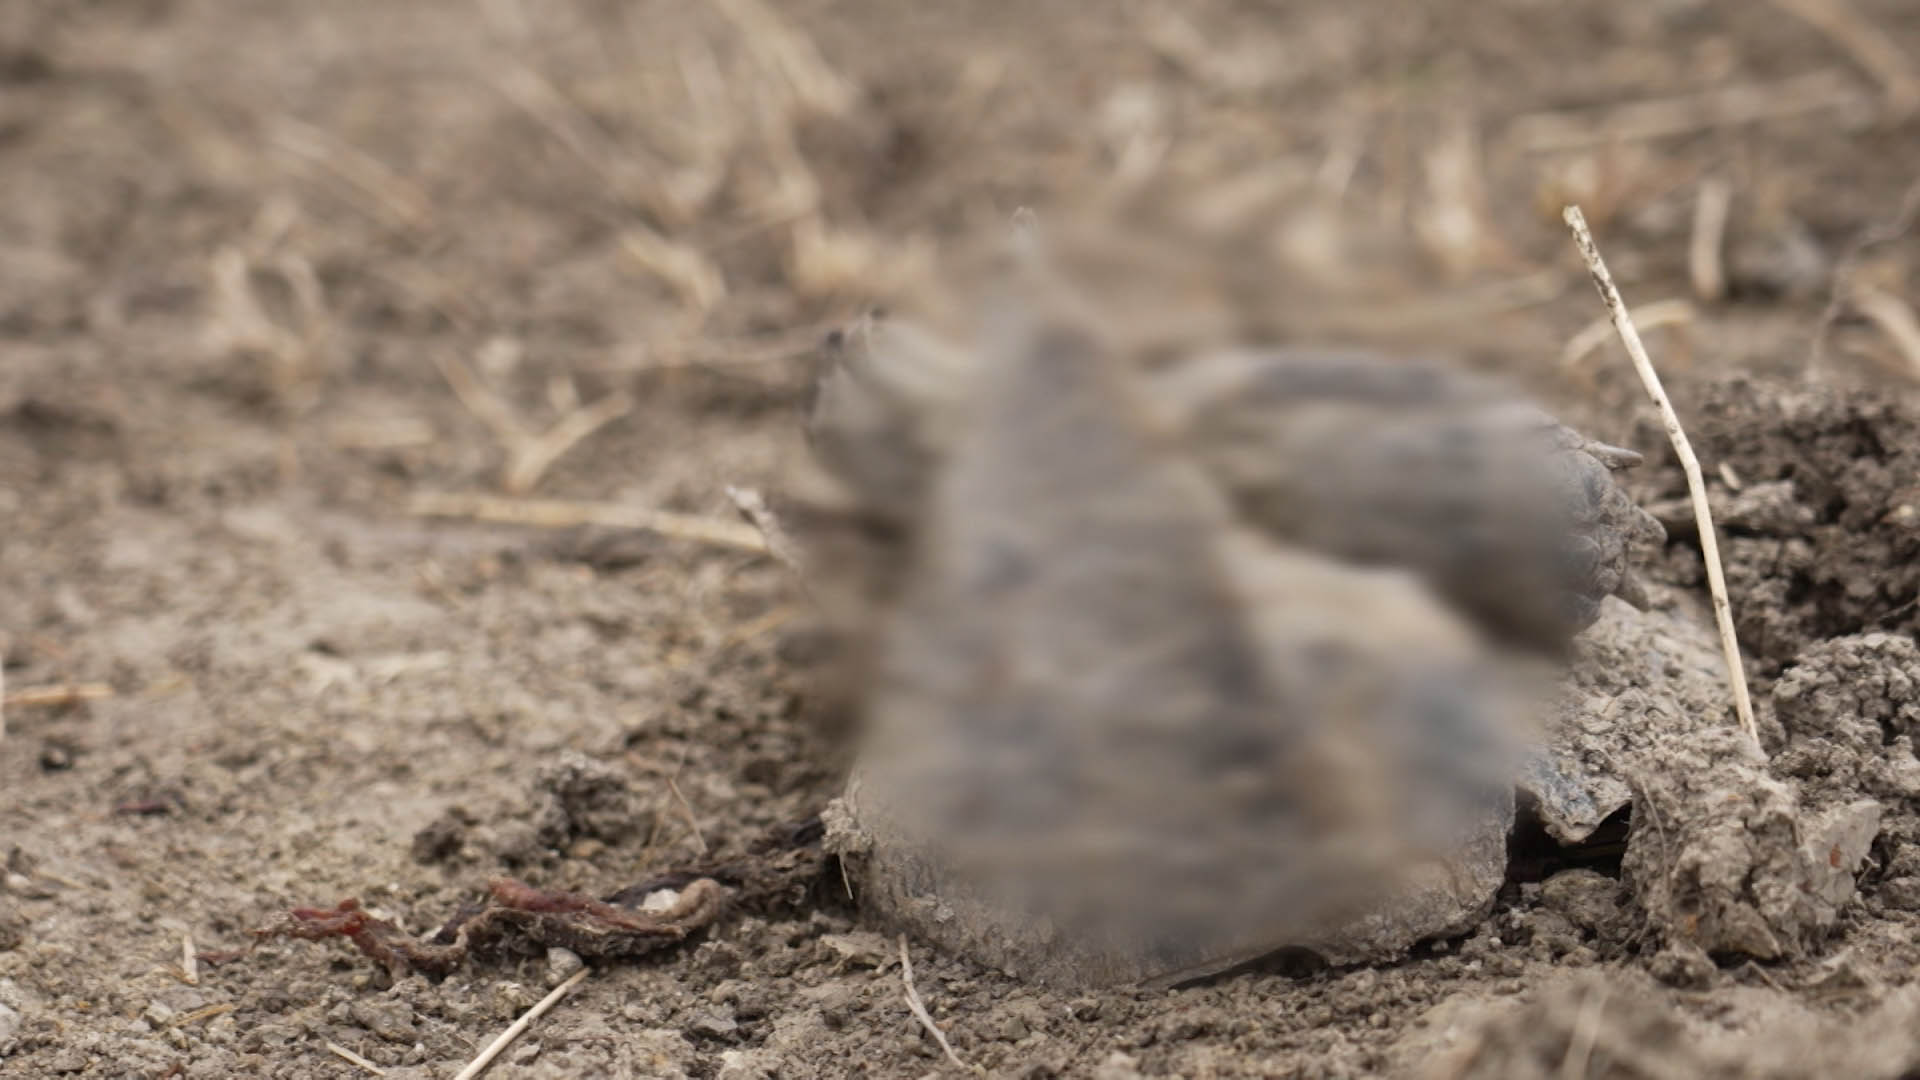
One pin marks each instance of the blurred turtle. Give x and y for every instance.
(1115, 735)
(1179, 660)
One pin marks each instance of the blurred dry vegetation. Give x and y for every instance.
(569, 195)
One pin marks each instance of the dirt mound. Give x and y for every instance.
(1819, 501)
(1625, 1028)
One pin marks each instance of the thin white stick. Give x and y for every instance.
(189, 961)
(919, 1009)
(349, 1056)
(1586, 1032)
(479, 1065)
(1696, 485)
(563, 514)
(1704, 264)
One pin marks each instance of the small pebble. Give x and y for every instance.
(391, 1020)
(561, 964)
(715, 1027)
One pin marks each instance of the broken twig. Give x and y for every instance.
(753, 507)
(1594, 334)
(1893, 317)
(1586, 1032)
(564, 514)
(919, 1009)
(1696, 485)
(59, 695)
(529, 453)
(352, 1058)
(479, 1064)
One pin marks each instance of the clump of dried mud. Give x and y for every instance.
(1820, 504)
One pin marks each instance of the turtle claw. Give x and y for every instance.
(1614, 458)
(1633, 591)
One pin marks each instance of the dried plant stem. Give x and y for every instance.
(479, 1064)
(1704, 263)
(753, 507)
(1894, 317)
(529, 454)
(1586, 1032)
(352, 1058)
(1696, 485)
(60, 695)
(919, 1009)
(1656, 314)
(563, 514)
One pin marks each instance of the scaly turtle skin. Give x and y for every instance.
(1507, 513)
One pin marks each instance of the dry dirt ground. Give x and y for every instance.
(253, 249)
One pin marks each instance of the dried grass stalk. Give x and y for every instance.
(1696, 485)
(479, 1064)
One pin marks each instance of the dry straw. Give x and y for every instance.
(1696, 486)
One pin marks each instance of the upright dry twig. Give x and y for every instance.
(1586, 1032)
(686, 808)
(1705, 264)
(919, 1009)
(479, 1064)
(1696, 484)
(1894, 317)
(532, 458)
(753, 507)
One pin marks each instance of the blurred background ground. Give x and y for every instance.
(271, 273)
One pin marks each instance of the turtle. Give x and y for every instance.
(1116, 735)
(1185, 662)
